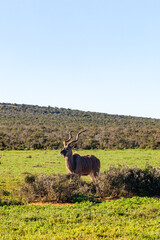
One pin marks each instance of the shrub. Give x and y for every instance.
(30, 178)
(116, 182)
(60, 188)
(127, 182)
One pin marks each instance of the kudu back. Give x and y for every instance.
(81, 165)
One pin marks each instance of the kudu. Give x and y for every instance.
(81, 165)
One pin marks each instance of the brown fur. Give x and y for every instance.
(81, 165)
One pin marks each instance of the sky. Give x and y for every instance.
(91, 55)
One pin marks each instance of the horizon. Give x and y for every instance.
(114, 114)
(95, 55)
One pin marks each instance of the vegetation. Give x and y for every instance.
(116, 182)
(33, 127)
(35, 175)
(59, 188)
(129, 182)
(42, 175)
(132, 218)
(31, 175)
(16, 165)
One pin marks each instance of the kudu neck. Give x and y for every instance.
(69, 161)
(69, 156)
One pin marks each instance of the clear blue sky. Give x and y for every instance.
(93, 55)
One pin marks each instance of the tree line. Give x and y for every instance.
(32, 127)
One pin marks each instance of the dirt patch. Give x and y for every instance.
(51, 203)
(109, 199)
(54, 203)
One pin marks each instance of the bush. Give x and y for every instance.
(127, 182)
(60, 188)
(116, 182)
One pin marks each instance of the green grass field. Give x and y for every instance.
(15, 164)
(135, 218)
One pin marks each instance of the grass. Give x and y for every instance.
(135, 218)
(15, 164)
(132, 218)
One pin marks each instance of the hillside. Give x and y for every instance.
(34, 127)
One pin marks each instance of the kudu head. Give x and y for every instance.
(67, 150)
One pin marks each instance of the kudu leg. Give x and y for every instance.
(93, 178)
